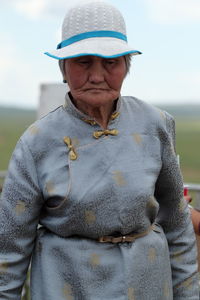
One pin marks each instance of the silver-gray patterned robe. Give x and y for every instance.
(79, 188)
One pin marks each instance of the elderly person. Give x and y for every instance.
(100, 176)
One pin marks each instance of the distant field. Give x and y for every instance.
(13, 123)
(188, 147)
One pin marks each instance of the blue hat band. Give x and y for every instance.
(92, 34)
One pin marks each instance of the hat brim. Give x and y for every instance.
(106, 47)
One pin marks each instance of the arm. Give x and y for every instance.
(195, 215)
(20, 207)
(174, 217)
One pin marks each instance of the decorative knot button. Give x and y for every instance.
(72, 153)
(91, 122)
(99, 133)
(114, 115)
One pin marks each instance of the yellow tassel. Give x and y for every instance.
(72, 153)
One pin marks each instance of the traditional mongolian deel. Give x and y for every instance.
(91, 190)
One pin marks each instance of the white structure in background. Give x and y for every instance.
(51, 96)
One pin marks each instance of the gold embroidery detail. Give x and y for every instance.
(137, 137)
(50, 187)
(98, 134)
(152, 254)
(90, 217)
(131, 294)
(91, 122)
(33, 129)
(119, 178)
(177, 256)
(166, 290)
(188, 283)
(67, 291)
(20, 207)
(94, 259)
(3, 267)
(162, 114)
(114, 115)
(72, 153)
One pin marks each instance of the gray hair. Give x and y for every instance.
(127, 58)
(62, 68)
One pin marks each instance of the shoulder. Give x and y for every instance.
(138, 106)
(45, 130)
(146, 112)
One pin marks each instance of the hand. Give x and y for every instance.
(195, 215)
(188, 198)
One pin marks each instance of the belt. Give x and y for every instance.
(124, 238)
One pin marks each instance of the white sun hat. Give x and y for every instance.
(93, 28)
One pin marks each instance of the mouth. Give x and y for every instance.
(96, 89)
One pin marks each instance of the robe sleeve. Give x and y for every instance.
(20, 206)
(174, 217)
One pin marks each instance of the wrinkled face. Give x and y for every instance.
(93, 80)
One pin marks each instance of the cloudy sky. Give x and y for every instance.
(166, 31)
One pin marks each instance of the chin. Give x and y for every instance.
(101, 97)
(98, 100)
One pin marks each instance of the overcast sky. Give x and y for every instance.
(166, 31)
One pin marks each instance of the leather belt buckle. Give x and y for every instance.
(114, 240)
(102, 240)
(123, 239)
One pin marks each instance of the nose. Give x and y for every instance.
(96, 72)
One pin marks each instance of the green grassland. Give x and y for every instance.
(188, 147)
(13, 122)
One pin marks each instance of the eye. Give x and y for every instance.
(110, 61)
(83, 61)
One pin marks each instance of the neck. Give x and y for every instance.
(101, 114)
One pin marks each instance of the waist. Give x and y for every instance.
(114, 238)
(124, 238)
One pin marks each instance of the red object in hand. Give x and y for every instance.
(185, 191)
